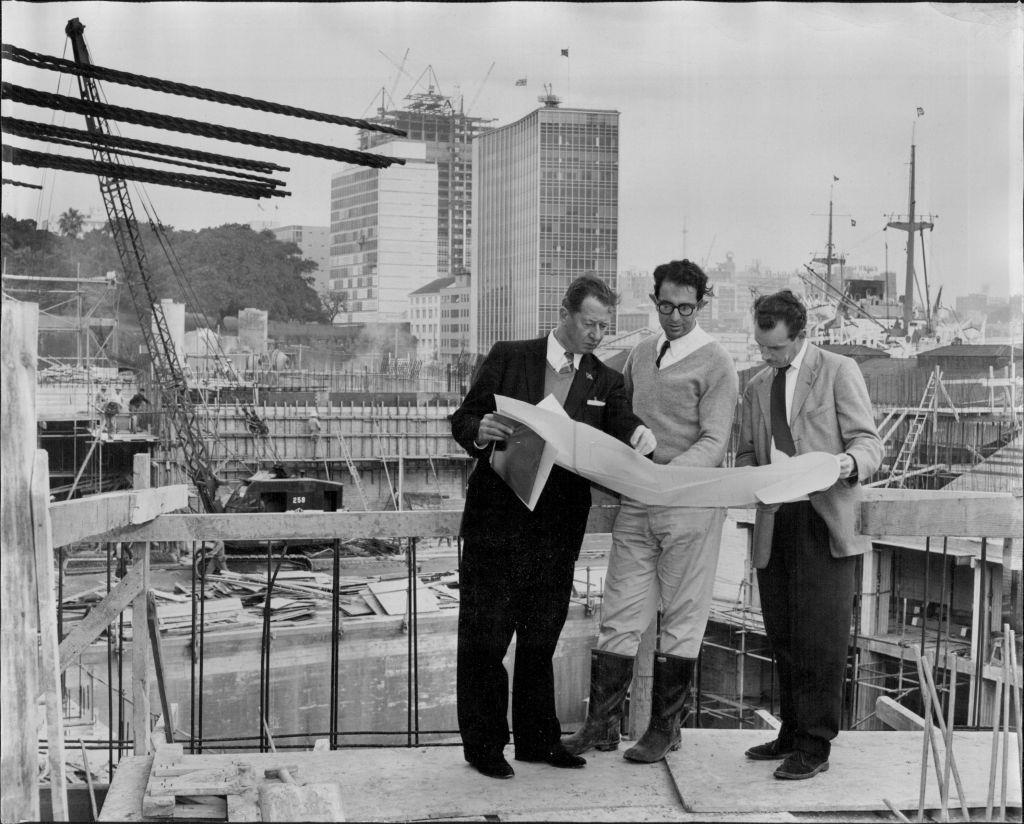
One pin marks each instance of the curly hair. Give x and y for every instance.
(782, 306)
(683, 273)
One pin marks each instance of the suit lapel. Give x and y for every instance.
(582, 382)
(535, 362)
(808, 373)
(764, 398)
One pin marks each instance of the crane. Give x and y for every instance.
(124, 227)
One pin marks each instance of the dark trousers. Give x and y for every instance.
(519, 586)
(807, 603)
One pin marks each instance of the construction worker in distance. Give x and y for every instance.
(684, 385)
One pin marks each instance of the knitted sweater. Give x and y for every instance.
(688, 405)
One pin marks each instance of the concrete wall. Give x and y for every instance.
(373, 678)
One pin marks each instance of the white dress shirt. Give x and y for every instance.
(681, 347)
(556, 354)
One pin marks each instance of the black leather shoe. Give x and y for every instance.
(494, 766)
(801, 765)
(557, 756)
(772, 751)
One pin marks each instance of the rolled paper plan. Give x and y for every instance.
(607, 461)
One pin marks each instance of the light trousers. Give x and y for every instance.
(662, 557)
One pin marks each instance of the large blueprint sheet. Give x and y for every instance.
(600, 458)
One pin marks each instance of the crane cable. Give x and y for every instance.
(32, 97)
(50, 63)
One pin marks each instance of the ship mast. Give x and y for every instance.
(909, 226)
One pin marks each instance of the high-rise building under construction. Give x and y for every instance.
(433, 119)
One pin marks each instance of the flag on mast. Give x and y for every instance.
(835, 179)
(521, 81)
(920, 111)
(565, 52)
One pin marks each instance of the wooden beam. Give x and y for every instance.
(170, 714)
(140, 639)
(937, 514)
(103, 614)
(49, 657)
(19, 794)
(897, 716)
(294, 525)
(764, 720)
(93, 517)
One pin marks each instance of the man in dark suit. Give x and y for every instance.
(518, 565)
(805, 551)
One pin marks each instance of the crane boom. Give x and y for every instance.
(124, 227)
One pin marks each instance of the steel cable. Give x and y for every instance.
(32, 97)
(81, 144)
(216, 185)
(39, 131)
(50, 63)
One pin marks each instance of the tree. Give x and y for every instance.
(334, 302)
(70, 223)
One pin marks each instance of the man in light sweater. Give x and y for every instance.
(684, 386)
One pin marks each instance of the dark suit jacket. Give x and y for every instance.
(516, 369)
(831, 413)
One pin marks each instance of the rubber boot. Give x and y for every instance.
(672, 677)
(610, 677)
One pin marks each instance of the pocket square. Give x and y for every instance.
(593, 402)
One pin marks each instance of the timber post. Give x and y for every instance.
(140, 625)
(19, 687)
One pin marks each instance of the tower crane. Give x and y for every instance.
(124, 227)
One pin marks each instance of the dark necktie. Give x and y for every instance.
(661, 354)
(567, 367)
(780, 424)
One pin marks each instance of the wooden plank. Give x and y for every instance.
(713, 775)
(311, 525)
(49, 657)
(140, 639)
(102, 615)
(19, 795)
(169, 710)
(995, 515)
(294, 525)
(896, 715)
(92, 517)
(764, 720)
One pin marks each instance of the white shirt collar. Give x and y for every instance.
(681, 347)
(556, 353)
(798, 360)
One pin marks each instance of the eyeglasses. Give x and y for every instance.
(666, 308)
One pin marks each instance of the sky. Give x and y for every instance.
(734, 118)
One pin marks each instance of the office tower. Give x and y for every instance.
(383, 234)
(315, 243)
(545, 211)
(447, 133)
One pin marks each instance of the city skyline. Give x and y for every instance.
(734, 120)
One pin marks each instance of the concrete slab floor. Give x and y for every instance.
(435, 784)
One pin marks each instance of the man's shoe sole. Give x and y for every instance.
(822, 767)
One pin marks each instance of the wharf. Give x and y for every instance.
(707, 779)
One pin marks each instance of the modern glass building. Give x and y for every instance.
(545, 211)
(383, 234)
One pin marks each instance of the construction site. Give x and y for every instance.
(230, 584)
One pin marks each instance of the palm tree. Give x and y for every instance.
(70, 223)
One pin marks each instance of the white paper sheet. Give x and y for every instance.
(600, 458)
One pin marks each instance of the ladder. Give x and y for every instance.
(902, 463)
(353, 471)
